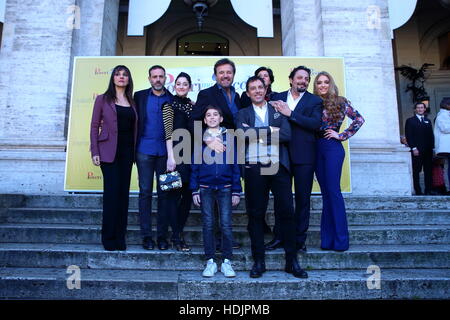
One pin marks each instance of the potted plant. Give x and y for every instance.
(417, 78)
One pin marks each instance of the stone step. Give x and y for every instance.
(66, 233)
(352, 202)
(355, 217)
(49, 255)
(52, 283)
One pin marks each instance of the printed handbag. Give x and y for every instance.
(170, 181)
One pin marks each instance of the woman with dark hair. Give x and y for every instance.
(113, 140)
(266, 74)
(329, 160)
(178, 116)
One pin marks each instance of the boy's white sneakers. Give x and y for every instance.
(227, 269)
(210, 269)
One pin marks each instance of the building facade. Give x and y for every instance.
(39, 40)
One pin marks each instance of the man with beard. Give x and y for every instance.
(304, 111)
(151, 156)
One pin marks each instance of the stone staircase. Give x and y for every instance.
(407, 238)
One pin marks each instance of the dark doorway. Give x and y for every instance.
(202, 44)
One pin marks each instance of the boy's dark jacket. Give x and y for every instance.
(217, 175)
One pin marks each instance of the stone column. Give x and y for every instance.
(302, 29)
(38, 45)
(35, 59)
(380, 165)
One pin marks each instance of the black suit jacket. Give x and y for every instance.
(214, 96)
(140, 98)
(419, 135)
(305, 120)
(276, 119)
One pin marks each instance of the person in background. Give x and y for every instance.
(442, 133)
(267, 75)
(113, 140)
(330, 156)
(419, 134)
(438, 185)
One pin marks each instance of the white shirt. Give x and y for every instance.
(292, 103)
(261, 111)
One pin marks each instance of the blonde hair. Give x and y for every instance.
(331, 100)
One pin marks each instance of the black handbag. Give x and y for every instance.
(170, 181)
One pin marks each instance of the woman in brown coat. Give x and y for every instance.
(113, 141)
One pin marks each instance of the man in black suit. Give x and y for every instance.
(304, 111)
(420, 139)
(265, 133)
(222, 95)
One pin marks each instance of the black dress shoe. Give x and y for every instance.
(163, 244)
(274, 244)
(301, 247)
(294, 267)
(148, 243)
(259, 267)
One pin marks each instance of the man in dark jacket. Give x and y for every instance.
(267, 168)
(151, 155)
(222, 94)
(304, 111)
(420, 139)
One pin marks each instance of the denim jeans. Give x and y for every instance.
(147, 166)
(208, 197)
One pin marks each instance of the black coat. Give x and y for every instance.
(214, 96)
(305, 120)
(419, 135)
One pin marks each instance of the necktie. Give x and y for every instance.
(421, 119)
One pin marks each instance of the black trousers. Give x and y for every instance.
(116, 190)
(257, 188)
(423, 160)
(179, 204)
(303, 182)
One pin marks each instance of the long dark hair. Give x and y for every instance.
(110, 93)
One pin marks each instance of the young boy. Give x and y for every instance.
(216, 180)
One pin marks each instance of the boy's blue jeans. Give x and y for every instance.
(208, 197)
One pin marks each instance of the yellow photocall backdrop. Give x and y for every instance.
(91, 76)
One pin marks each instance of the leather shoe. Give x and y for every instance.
(163, 244)
(294, 267)
(148, 243)
(274, 244)
(259, 267)
(301, 247)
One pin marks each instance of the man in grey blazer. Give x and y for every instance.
(266, 132)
